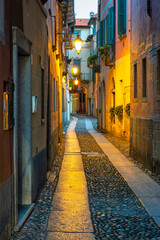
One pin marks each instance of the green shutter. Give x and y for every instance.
(121, 17)
(107, 32)
(94, 78)
(111, 24)
(101, 33)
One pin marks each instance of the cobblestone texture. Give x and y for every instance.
(123, 145)
(36, 225)
(116, 211)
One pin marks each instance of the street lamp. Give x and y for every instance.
(76, 82)
(75, 70)
(78, 44)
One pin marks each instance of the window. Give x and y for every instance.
(144, 78)
(135, 80)
(42, 93)
(77, 63)
(102, 32)
(2, 27)
(121, 17)
(98, 42)
(110, 25)
(99, 10)
(149, 8)
(158, 72)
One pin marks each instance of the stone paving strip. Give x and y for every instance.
(117, 213)
(36, 225)
(144, 187)
(70, 216)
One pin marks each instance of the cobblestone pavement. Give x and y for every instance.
(116, 211)
(123, 145)
(36, 225)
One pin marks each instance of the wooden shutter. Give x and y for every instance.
(101, 32)
(107, 32)
(121, 17)
(111, 24)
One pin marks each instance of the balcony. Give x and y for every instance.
(106, 54)
(85, 77)
(93, 63)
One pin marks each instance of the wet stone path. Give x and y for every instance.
(116, 211)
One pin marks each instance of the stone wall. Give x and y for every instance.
(6, 209)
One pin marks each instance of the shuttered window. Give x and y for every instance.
(102, 32)
(122, 17)
(111, 25)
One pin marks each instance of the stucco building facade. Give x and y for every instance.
(145, 82)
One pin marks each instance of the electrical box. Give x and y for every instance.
(5, 111)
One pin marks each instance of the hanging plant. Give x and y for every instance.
(104, 51)
(91, 59)
(119, 112)
(112, 114)
(127, 109)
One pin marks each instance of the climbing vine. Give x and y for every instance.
(127, 109)
(112, 114)
(119, 112)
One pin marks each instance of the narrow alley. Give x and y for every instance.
(97, 194)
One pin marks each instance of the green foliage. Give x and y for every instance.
(104, 51)
(127, 109)
(119, 112)
(92, 58)
(112, 112)
(99, 110)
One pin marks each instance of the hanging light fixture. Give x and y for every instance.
(76, 82)
(78, 44)
(75, 70)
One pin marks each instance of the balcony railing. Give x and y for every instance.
(85, 77)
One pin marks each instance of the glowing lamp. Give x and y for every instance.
(76, 82)
(75, 70)
(78, 44)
